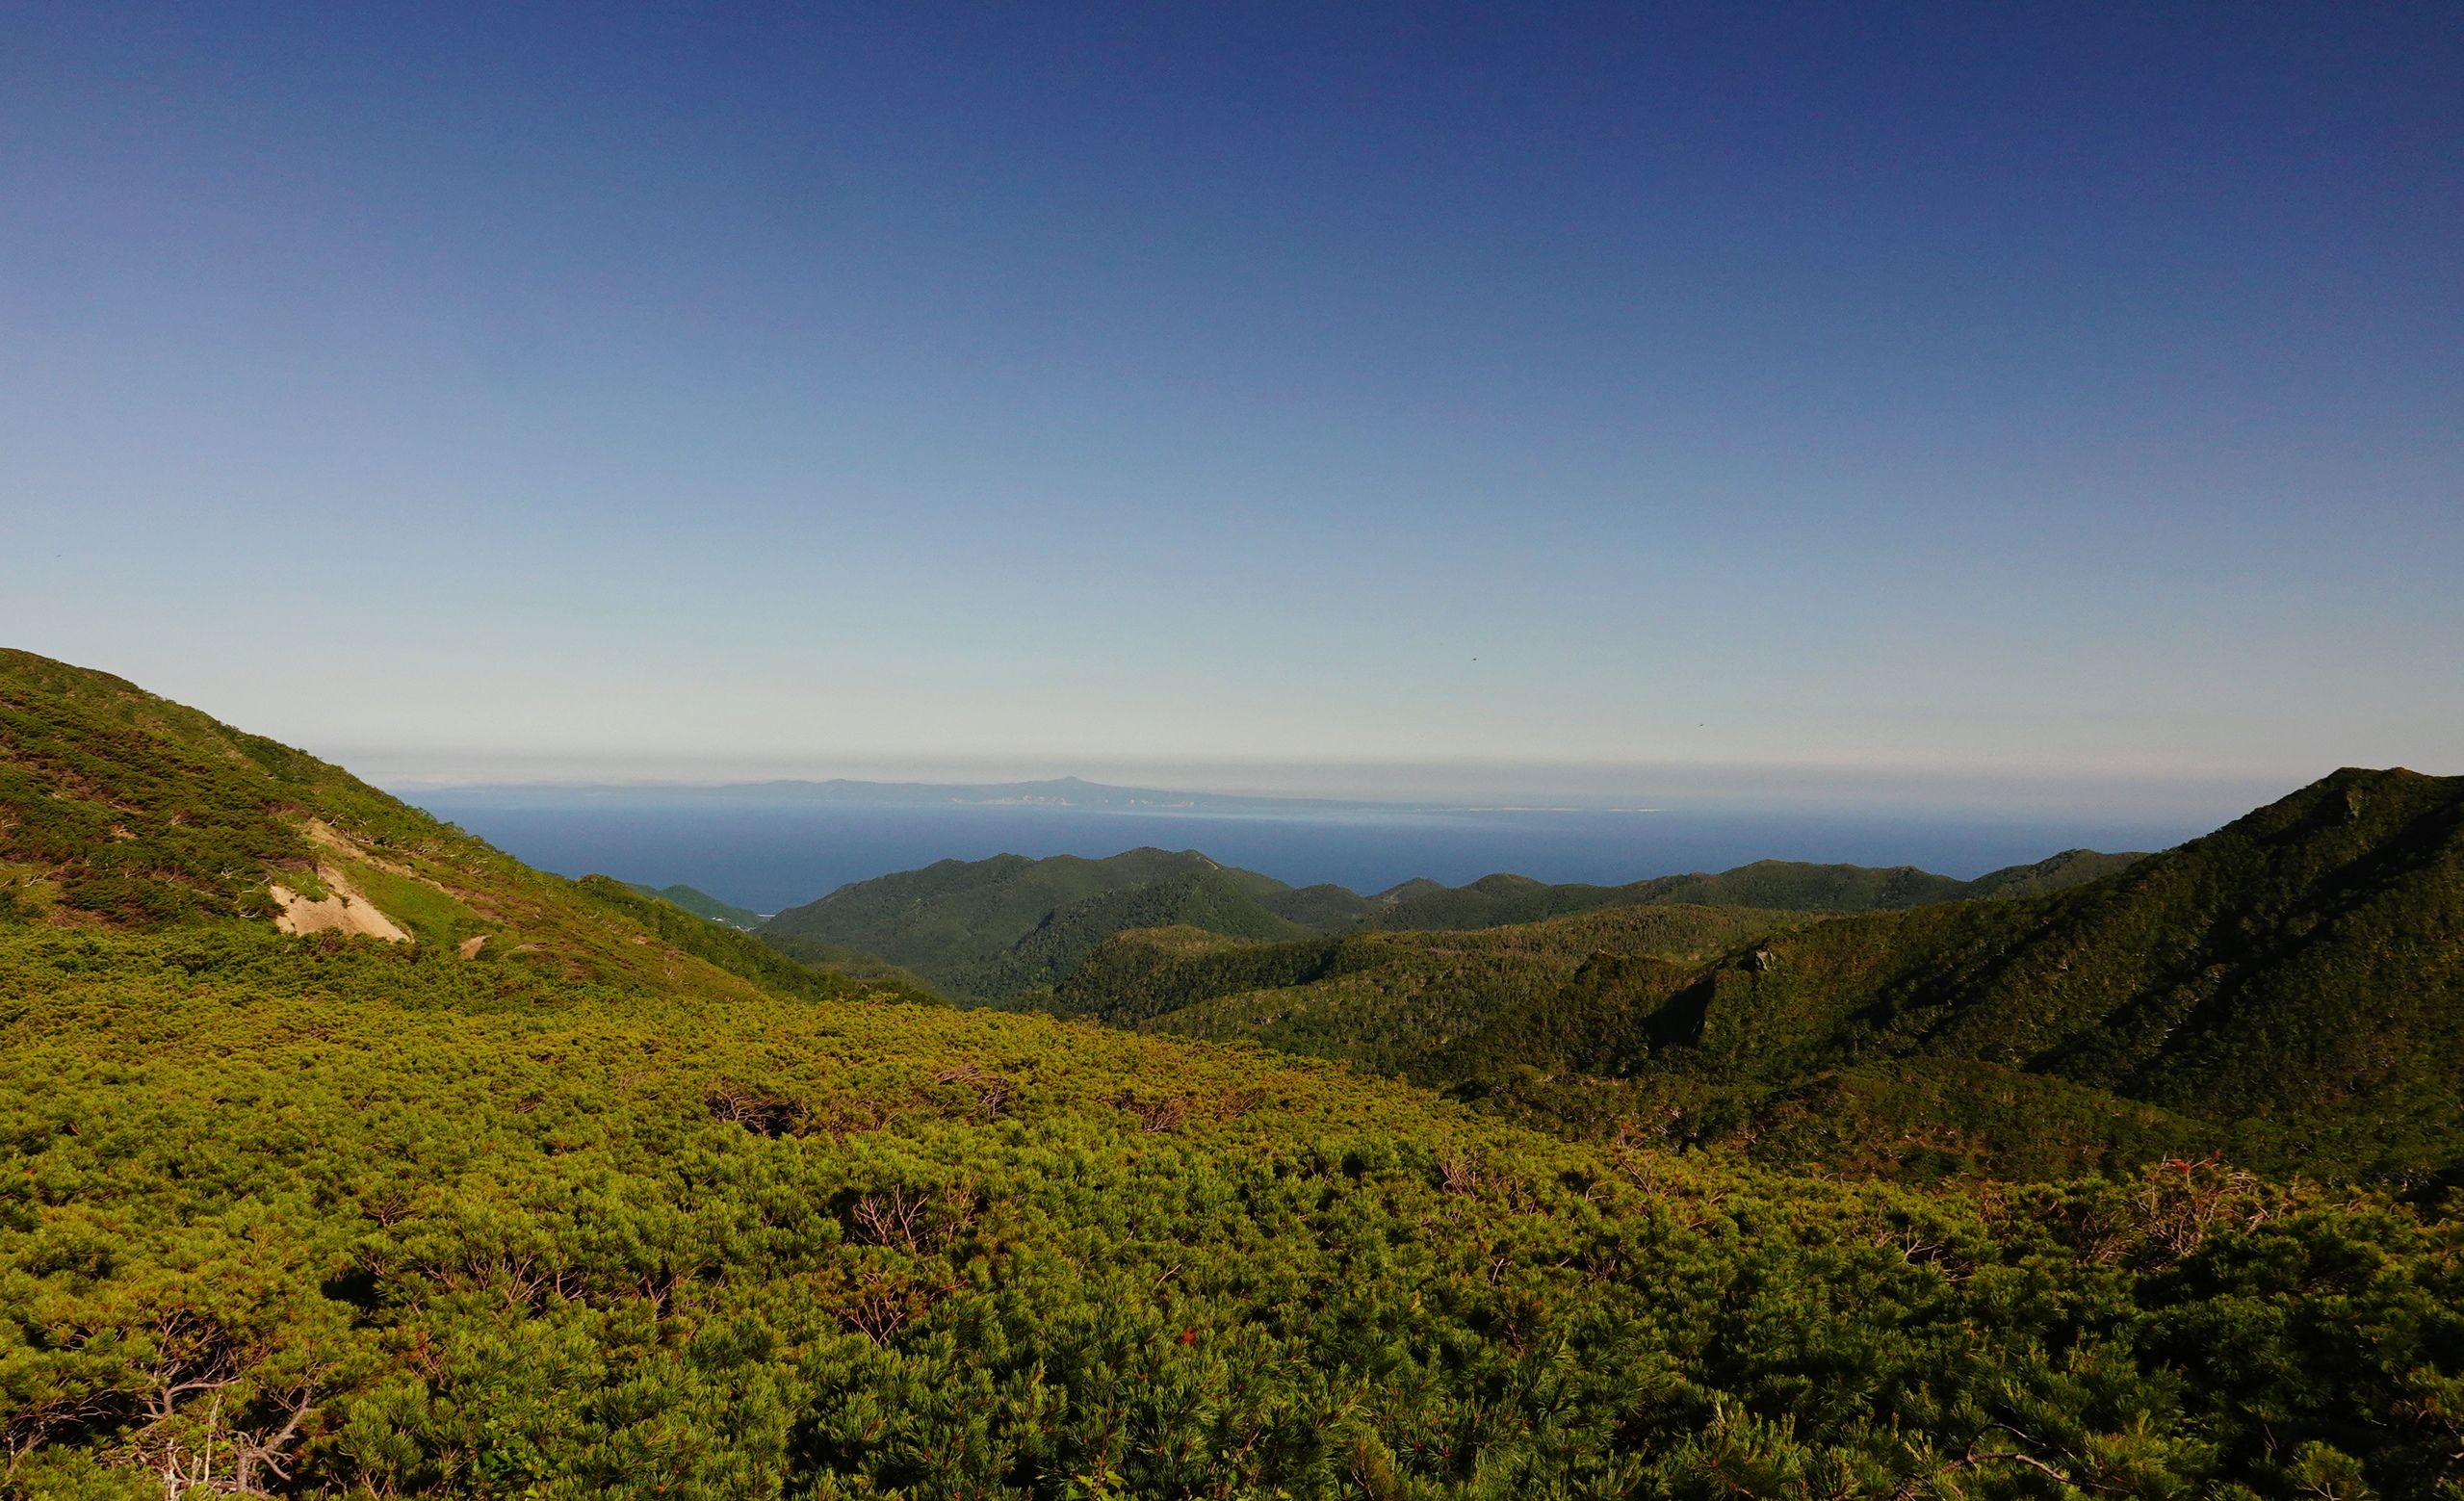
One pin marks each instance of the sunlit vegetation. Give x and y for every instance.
(618, 1203)
(361, 1217)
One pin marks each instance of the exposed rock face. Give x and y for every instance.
(345, 911)
(1761, 960)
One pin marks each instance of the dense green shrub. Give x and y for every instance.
(485, 1230)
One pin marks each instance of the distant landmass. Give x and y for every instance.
(770, 847)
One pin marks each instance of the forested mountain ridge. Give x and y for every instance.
(586, 1214)
(1382, 1000)
(1778, 885)
(1203, 899)
(2293, 983)
(992, 929)
(2298, 973)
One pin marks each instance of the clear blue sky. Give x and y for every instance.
(1939, 398)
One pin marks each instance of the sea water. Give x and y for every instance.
(769, 857)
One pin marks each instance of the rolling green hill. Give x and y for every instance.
(985, 928)
(701, 904)
(616, 1203)
(2292, 985)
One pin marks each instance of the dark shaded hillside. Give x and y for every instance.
(1382, 1000)
(1325, 906)
(1208, 901)
(2055, 873)
(2293, 984)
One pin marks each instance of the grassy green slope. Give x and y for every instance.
(608, 1210)
(123, 809)
(186, 820)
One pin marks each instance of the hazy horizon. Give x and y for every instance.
(1623, 788)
